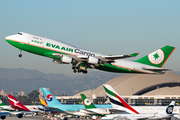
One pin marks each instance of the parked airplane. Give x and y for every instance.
(8, 110)
(81, 59)
(5, 107)
(91, 109)
(168, 114)
(19, 114)
(65, 109)
(19, 106)
(119, 103)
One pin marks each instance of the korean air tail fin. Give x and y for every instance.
(86, 102)
(158, 57)
(16, 104)
(50, 98)
(1, 103)
(117, 101)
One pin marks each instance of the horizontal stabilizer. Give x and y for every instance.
(156, 69)
(113, 110)
(52, 108)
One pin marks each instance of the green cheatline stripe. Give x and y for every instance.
(109, 92)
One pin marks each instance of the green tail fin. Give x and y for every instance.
(87, 103)
(1, 103)
(158, 57)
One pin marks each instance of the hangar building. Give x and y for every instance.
(137, 89)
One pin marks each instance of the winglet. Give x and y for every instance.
(134, 54)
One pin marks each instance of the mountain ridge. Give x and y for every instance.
(20, 79)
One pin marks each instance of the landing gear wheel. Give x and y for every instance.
(85, 72)
(65, 118)
(74, 71)
(20, 55)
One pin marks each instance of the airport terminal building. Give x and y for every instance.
(136, 89)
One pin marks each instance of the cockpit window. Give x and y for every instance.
(20, 33)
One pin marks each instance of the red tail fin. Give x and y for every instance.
(16, 104)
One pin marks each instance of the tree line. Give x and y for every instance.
(31, 98)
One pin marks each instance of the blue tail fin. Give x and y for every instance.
(50, 98)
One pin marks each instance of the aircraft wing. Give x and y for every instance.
(116, 111)
(83, 62)
(89, 111)
(115, 57)
(83, 58)
(52, 108)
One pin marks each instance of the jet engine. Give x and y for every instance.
(94, 117)
(65, 60)
(3, 117)
(94, 60)
(19, 115)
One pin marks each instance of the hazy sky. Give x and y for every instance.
(106, 26)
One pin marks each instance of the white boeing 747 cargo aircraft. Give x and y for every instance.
(81, 59)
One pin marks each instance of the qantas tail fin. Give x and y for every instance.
(158, 57)
(117, 101)
(16, 104)
(86, 102)
(50, 98)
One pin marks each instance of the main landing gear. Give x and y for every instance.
(20, 53)
(79, 69)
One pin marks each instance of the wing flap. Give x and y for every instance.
(115, 57)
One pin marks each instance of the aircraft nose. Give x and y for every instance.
(8, 38)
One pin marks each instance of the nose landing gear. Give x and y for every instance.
(20, 53)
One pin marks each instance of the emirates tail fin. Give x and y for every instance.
(117, 101)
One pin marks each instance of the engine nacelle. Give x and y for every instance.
(57, 61)
(19, 115)
(94, 117)
(66, 59)
(94, 60)
(3, 117)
